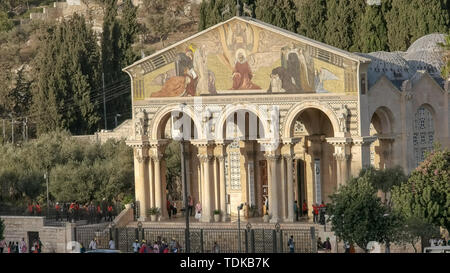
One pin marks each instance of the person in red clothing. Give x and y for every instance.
(305, 209)
(57, 210)
(30, 209)
(72, 211)
(110, 209)
(38, 209)
(316, 212)
(99, 213)
(169, 209)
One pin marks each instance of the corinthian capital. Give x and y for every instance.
(204, 158)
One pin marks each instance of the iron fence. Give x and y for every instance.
(202, 240)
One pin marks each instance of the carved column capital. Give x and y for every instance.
(204, 158)
(221, 158)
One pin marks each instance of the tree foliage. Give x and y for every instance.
(426, 195)
(81, 171)
(358, 215)
(446, 50)
(2, 229)
(67, 78)
(311, 17)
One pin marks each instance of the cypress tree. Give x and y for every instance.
(128, 31)
(110, 40)
(339, 32)
(311, 17)
(372, 35)
(67, 75)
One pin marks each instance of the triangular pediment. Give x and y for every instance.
(381, 83)
(422, 77)
(244, 55)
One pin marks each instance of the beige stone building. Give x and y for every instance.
(271, 116)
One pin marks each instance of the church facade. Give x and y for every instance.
(269, 117)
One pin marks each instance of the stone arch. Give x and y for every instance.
(387, 120)
(253, 108)
(163, 114)
(297, 109)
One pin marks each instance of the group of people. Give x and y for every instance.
(20, 247)
(94, 213)
(318, 211)
(324, 245)
(172, 209)
(158, 246)
(74, 211)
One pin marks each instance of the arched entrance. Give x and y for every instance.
(244, 161)
(381, 150)
(315, 169)
(169, 127)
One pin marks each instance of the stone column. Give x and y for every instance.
(141, 187)
(151, 183)
(223, 194)
(158, 183)
(273, 187)
(208, 204)
(216, 185)
(283, 187)
(290, 189)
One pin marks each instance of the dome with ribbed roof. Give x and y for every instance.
(427, 43)
(431, 61)
(390, 64)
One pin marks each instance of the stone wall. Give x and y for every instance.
(54, 239)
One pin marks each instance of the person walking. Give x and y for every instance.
(38, 209)
(174, 209)
(291, 244)
(23, 246)
(315, 212)
(216, 248)
(2, 245)
(30, 209)
(110, 211)
(39, 245)
(57, 212)
(112, 244)
(169, 208)
(143, 247)
(136, 246)
(305, 209)
(190, 205)
(327, 245)
(198, 211)
(99, 213)
(93, 244)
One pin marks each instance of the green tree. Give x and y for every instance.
(342, 22)
(2, 229)
(128, 31)
(427, 193)
(5, 23)
(416, 230)
(408, 20)
(110, 43)
(67, 76)
(311, 17)
(372, 34)
(446, 49)
(358, 215)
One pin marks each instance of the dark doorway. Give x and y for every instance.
(301, 190)
(32, 236)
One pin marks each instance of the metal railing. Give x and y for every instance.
(202, 240)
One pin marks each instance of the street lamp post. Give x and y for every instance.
(186, 202)
(239, 225)
(48, 203)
